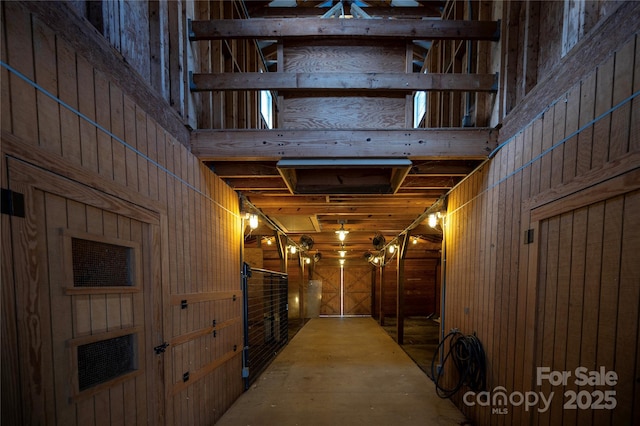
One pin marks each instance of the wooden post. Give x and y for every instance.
(374, 313)
(381, 301)
(400, 286)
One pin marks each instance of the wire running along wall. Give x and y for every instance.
(265, 319)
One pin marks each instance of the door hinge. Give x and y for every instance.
(12, 203)
(161, 348)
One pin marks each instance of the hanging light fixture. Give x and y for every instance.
(293, 249)
(433, 220)
(342, 252)
(341, 262)
(342, 233)
(415, 240)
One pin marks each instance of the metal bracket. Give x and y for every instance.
(185, 377)
(528, 236)
(184, 304)
(12, 203)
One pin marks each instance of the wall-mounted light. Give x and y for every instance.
(307, 260)
(392, 248)
(293, 249)
(253, 221)
(376, 259)
(433, 220)
(269, 241)
(415, 240)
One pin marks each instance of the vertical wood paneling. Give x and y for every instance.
(634, 136)
(561, 301)
(48, 122)
(585, 137)
(87, 106)
(571, 125)
(103, 118)
(130, 136)
(68, 93)
(202, 233)
(20, 56)
(601, 129)
(622, 89)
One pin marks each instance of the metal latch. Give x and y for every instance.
(161, 348)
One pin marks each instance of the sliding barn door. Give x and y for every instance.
(357, 290)
(88, 300)
(345, 292)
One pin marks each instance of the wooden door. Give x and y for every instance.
(88, 301)
(587, 308)
(357, 290)
(331, 293)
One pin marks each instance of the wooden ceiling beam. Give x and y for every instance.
(290, 81)
(269, 145)
(339, 210)
(395, 200)
(312, 28)
(427, 10)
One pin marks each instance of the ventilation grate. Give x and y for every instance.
(102, 361)
(97, 264)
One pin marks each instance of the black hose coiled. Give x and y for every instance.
(467, 355)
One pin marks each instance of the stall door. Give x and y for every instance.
(88, 303)
(357, 290)
(588, 302)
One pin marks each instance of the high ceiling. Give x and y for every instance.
(367, 180)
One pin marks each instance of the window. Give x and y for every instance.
(266, 107)
(573, 25)
(419, 107)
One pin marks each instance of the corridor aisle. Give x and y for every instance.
(342, 371)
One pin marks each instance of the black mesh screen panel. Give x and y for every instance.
(102, 361)
(97, 264)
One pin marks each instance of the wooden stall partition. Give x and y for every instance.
(536, 241)
(85, 124)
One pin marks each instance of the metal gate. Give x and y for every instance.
(265, 319)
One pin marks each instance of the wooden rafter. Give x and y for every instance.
(397, 143)
(396, 29)
(344, 81)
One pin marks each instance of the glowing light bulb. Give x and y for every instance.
(293, 249)
(433, 220)
(342, 253)
(253, 221)
(307, 260)
(392, 248)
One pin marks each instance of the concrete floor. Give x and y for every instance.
(342, 371)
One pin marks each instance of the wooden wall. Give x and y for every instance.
(420, 291)
(570, 297)
(313, 110)
(102, 145)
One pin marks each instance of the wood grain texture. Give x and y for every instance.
(342, 28)
(270, 145)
